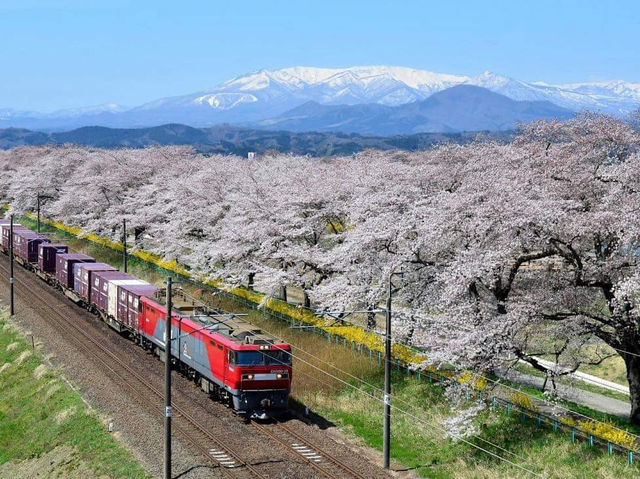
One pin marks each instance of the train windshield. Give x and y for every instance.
(261, 358)
(277, 357)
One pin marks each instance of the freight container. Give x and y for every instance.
(5, 232)
(64, 267)
(83, 277)
(47, 253)
(25, 244)
(100, 286)
(112, 307)
(129, 304)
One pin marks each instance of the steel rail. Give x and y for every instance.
(70, 327)
(301, 440)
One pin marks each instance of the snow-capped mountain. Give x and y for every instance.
(87, 110)
(349, 86)
(617, 98)
(394, 86)
(267, 94)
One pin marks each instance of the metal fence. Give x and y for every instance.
(495, 402)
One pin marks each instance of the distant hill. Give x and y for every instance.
(456, 109)
(266, 94)
(227, 139)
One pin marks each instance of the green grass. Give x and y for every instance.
(39, 412)
(417, 444)
(612, 369)
(524, 368)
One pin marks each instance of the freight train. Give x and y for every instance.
(230, 359)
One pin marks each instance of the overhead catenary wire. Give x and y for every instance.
(419, 419)
(378, 388)
(497, 382)
(488, 379)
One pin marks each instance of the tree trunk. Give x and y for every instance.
(251, 280)
(307, 300)
(283, 293)
(138, 231)
(633, 376)
(371, 321)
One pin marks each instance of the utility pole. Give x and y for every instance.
(124, 245)
(387, 381)
(38, 228)
(386, 434)
(12, 309)
(167, 385)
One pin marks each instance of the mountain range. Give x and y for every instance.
(371, 99)
(227, 139)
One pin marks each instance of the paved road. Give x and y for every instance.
(588, 378)
(592, 400)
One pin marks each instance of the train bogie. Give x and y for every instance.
(230, 359)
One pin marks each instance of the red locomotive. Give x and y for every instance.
(229, 358)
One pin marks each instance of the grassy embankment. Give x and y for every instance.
(418, 442)
(45, 428)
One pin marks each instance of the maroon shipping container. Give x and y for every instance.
(25, 244)
(47, 253)
(5, 232)
(83, 277)
(100, 286)
(64, 267)
(129, 305)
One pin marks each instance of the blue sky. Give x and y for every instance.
(71, 53)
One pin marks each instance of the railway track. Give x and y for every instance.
(211, 447)
(218, 452)
(323, 462)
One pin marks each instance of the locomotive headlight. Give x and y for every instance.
(249, 376)
(279, 376)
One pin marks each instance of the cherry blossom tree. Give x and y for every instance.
(515, 251)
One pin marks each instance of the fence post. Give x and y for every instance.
(539, 421)
(609, 448)
(555, 425)
(590, 440)
(508, 409)
(630, 457)
(523, 416)
(573, 434)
